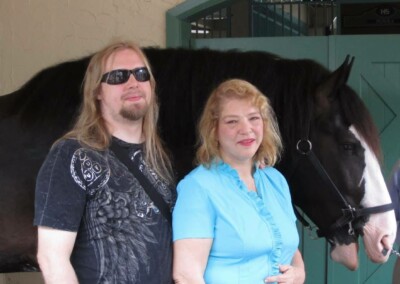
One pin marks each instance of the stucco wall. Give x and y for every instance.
(36, 34)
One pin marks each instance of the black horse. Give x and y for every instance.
(331, 144)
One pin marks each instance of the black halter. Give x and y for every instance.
(349, 213)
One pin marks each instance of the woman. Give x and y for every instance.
(233, 221)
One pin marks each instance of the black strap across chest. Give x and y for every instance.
(123, 155)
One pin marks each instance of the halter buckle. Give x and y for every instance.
(351, 230)
(304, 146)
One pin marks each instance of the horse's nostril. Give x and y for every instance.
(386, 245)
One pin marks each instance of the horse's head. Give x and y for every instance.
(339, 152)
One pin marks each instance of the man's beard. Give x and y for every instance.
(134, 113)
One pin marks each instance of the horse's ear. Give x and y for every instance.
(326, 91)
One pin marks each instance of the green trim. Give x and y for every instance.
(178, 32)
(178, 20)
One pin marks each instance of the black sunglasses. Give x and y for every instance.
(120, 76)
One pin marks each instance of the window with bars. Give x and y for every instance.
(213, 25)
(293, 18)
(254, 18)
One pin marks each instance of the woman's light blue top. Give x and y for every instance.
(253, 233)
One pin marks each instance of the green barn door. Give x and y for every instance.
(376, 78)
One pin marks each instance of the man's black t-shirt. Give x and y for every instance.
(122, 236)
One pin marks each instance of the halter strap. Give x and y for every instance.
(349, 213)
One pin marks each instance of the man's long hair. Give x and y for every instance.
(90, 127)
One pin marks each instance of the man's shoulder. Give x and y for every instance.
(70, 146)
(70, 153)
(68, 143)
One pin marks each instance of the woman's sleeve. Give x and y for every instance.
(193, 215)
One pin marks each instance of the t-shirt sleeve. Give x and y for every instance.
(193, 215)
(59, 200)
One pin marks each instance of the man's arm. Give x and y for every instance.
(54, 252)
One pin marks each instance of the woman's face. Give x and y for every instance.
(239, 131)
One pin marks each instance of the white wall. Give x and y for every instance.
(35, 34)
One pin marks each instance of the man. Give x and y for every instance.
(96, 222)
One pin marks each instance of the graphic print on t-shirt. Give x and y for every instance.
(88, 173)
(119, 216)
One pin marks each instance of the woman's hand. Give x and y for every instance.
(290, 274)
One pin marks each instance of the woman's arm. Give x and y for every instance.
(298, 264)
(54, 252)
(190, 260)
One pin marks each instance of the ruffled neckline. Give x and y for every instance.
(255, 198)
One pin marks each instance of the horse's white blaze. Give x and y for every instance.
(380, 229)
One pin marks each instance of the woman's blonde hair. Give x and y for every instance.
(271, 145)
(90, 128)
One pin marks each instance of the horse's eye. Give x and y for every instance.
(349, 147)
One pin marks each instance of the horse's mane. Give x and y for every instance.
(51, 98)
(185, 78)
(294, 87)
